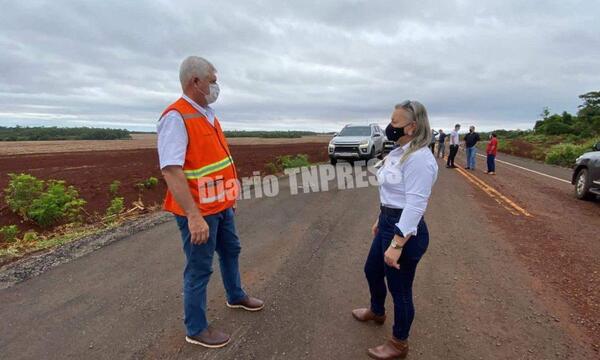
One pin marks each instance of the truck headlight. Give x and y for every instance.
(364, 143)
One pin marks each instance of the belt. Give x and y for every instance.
(390, 211)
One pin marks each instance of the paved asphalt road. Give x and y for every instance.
(476, 296)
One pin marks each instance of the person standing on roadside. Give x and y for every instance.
(441, 151)
(432, 145)
(491, 149)
(471, 140)
(400, 233)
(202, 190)
(454, 144)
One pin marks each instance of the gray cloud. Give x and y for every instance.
(304, 65)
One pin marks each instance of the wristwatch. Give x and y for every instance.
(395, 245)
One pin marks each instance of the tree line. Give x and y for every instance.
(585, 124)
(40, 133)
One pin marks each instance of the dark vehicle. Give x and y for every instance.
(586, 174)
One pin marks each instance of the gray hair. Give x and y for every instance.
(194, 66)
(422, 136)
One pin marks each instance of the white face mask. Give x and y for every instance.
(213, 93)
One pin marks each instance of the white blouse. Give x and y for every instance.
(407, 185)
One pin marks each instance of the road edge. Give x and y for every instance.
(38, 263)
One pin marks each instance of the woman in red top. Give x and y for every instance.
(492, 146)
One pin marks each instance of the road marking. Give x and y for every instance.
(505, 202)
(533, 171)
(495, 194)
(491, 195)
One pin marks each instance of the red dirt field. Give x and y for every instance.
(91, 172)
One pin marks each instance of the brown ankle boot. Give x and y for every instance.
(365, 314)
(391, 349)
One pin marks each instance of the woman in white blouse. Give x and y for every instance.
(400, 233)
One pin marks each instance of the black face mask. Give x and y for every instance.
(394, 133)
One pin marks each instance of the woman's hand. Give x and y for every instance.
(391, 257)
(375, 227)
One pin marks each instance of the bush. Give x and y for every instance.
(557, 128)
(113, 188)
(505, 146)
(272, 168)
(58, 203)
(288, 161)
(9, 233)
(564, 154)
(116, 206)
(22, 190)
(149, 183)
(46, 203)
(30, 236)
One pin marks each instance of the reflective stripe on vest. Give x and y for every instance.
(192, 116)
(208, 169)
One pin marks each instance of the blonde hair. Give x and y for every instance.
(422, 136)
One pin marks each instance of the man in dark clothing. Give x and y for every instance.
(441, 144)
(471, 140)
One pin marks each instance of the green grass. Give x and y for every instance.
(565, 154)
(32, 241)
(287, 162)
(559, 150)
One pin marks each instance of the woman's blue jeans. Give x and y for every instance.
(198, 267)
(399, 282)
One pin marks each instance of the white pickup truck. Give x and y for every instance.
(356, 142)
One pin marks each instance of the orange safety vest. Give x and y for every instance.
(208, 165)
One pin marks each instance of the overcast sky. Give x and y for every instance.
(313, 65)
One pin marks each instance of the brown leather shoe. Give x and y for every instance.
(390, 350)
(248, 303)
(365, 314)
(209, 338)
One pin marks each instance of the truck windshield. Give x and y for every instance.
(356, 131)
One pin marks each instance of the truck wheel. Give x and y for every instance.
(333, 161)
(582, 185)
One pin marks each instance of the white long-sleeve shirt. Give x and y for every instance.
(172, 134)
(407, 185)
(454, 139)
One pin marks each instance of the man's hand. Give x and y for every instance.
(198, 229)
(178, 184)
(375, 227)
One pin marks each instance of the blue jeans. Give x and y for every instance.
(399, 282)
(198, 267)
(471, 154)
(491, 163)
